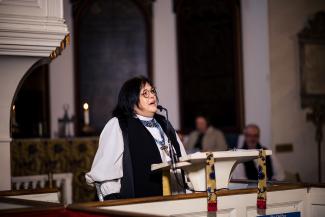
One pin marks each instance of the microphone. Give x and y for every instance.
(160, 107)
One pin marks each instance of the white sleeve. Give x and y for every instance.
(108, 164)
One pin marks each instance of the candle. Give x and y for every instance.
(40, 129)
(14, 114)
(86, 113)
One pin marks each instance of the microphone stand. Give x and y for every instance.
(172, 155)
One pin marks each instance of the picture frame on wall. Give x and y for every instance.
(312, 65)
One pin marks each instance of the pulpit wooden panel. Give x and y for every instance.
(281, 198)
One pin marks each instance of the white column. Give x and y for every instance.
(62, 77)
(29, 30)
(165, 59)
(12, 70)
(256, 66)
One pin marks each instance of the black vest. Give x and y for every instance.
(251, 170)
(140, 151)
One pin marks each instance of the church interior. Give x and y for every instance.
(238, 64)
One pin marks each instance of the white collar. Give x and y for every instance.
(144, 118)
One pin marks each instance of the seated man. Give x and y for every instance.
(248, 170)
(205, 137)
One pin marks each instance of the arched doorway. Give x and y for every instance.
(29, 116)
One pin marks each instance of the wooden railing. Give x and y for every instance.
(61, 181)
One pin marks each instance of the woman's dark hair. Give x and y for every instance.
(129, 96)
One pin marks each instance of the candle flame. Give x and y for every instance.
(86, 106)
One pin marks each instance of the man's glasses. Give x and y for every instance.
(251, 135)
(146, 93)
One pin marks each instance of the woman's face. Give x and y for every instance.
(147, 101)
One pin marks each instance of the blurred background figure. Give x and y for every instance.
(205, 137)
(248, 170)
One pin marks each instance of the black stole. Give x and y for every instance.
(140, 151)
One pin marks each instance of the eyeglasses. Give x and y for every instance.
(146, 93)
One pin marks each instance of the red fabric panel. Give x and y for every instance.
(71, 213)
(47, 213)
(54, 213)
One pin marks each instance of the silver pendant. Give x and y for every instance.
(165, 149)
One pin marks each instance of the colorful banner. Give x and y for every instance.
(211, 183)
(261, 186)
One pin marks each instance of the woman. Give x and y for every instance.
(131, 141)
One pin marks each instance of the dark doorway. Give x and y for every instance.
(30, 115)
(113, 44)
(210, 70)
